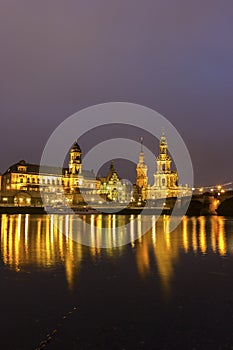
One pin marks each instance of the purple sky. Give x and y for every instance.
(176, 56)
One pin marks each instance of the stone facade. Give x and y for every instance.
(165, 179)
(23, 183)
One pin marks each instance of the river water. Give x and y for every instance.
(161, 291)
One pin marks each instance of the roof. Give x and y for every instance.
(49, 170)
(35, 169)
(88, 174)
(76, 147)
(112, 171)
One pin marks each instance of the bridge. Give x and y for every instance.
(212, 203)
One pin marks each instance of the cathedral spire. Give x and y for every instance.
(163, 140)
(142, 179)
(141, 154)
(141, 141)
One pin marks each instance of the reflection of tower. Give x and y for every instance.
(75, 163)
(141, 169)
(165, 180)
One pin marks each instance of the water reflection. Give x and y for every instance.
(35, 241)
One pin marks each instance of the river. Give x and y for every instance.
(160, 291)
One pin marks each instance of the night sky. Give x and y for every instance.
(176, 56)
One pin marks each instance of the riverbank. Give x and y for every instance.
(193, 210)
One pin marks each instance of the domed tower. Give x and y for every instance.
(165, 180)
(75, 163)
(163, 160)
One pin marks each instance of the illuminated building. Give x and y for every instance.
(142, 178)
(113, 188)
(165, 179)
(23, 182)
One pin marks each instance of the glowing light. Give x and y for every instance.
(202, 235)
(185, 234)
(222, 248)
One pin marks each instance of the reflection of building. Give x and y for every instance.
(193, 234)
(45, 241)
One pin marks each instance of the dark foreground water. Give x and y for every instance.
(163, 291)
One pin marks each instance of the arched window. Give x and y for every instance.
(163, 182)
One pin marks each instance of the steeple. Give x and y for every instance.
(163, 145)
(165, 180)
(141, 154)
(112, 167)
(141, 169)
(163, 160)
(112, 174)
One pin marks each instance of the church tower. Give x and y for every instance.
(142, 178)
(165, 180)
(163, 160)
(75, 163)
(141, 169)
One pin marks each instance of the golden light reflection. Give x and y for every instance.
(191, 234)
(222, 246)
(185, 234)
(194, 234)
(202, 234)
(161, 248)
(28, 240)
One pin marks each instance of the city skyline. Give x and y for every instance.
(61, 57)
(116, 179)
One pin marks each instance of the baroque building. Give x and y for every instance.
(22, 183)
(165, 179)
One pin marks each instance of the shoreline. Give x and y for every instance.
(77, 211)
